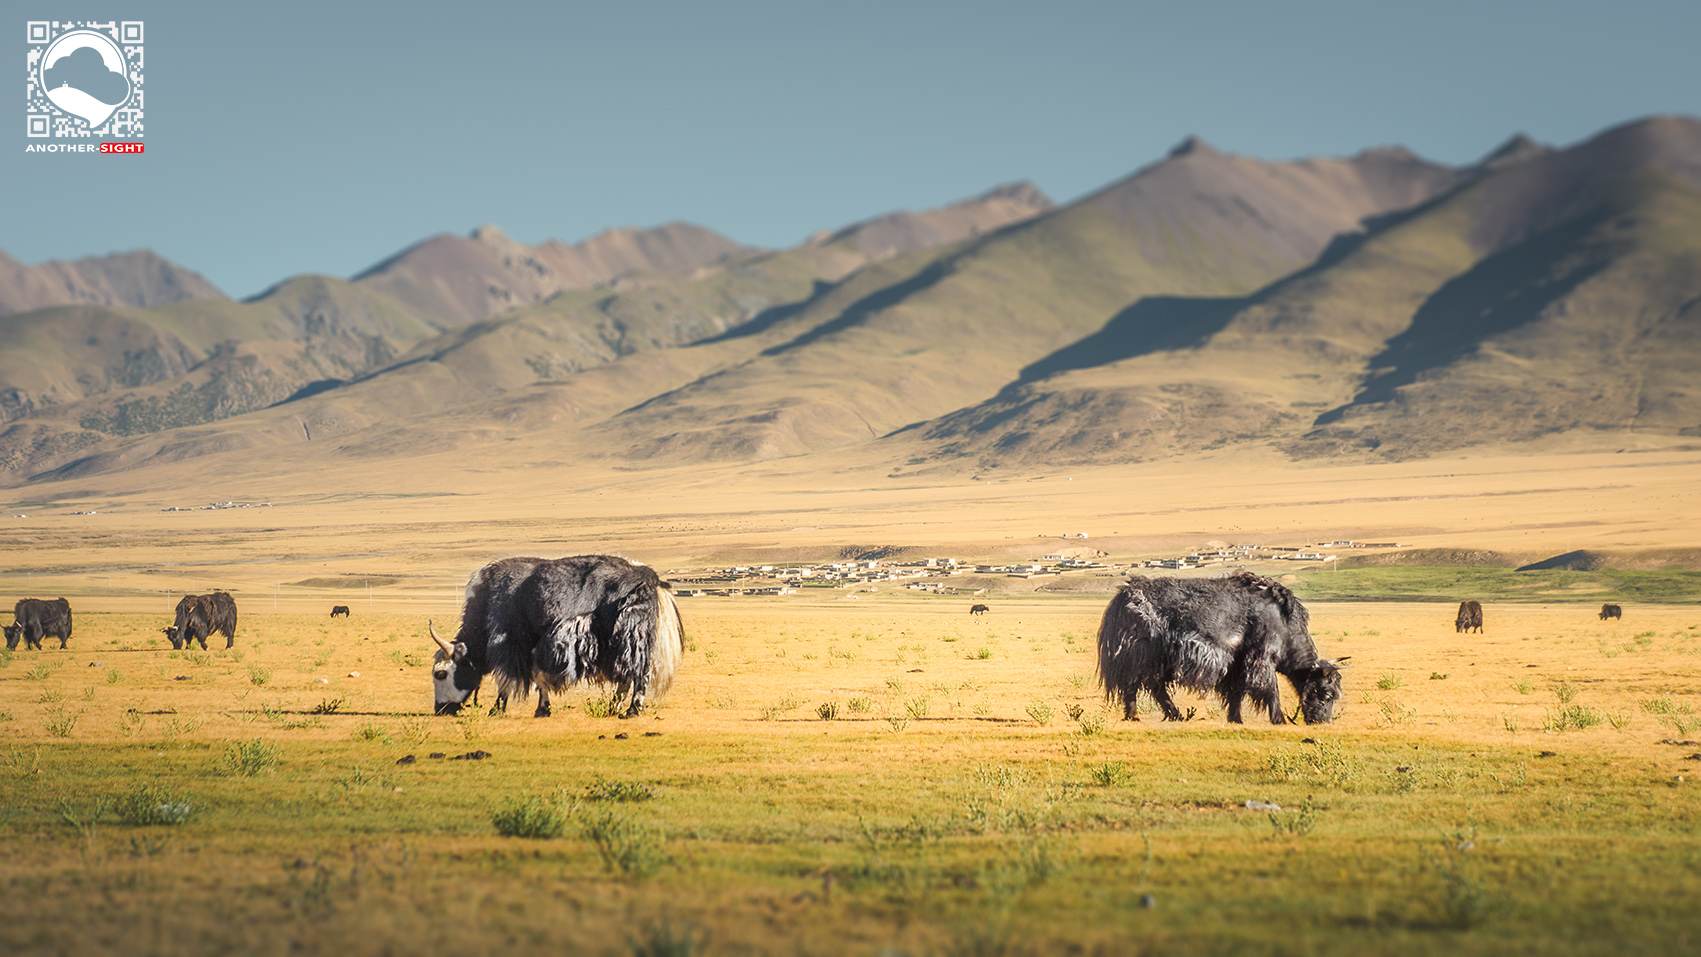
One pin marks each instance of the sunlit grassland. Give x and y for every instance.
(934, 812)
(1504, 584)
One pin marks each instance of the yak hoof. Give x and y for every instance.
(542, 710)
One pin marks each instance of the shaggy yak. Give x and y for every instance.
(555, 622)
(199, 616)
(339, 611)
(37, 618)
(1611, 611)
(1231, 636)
(1470, 616)
(978, 609)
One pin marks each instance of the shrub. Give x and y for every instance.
(259, 676)
(623, 791)
(531, 817)
(148, 804)
(603, 706)
(1389, 681)
(860, 705)
(1110, 774)
(1571, 717)
(1564, 691)
(248, 758)
(982, 653)
(1040, 711)
(60, 723)
(373, 731)
(828, 710)
(327, 706)
(628, 846)
(917, 707)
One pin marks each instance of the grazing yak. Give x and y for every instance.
(1231, 636)
(552, 623)
(339, 611)
(1611, 611)
(1470, 616)
(199, 616)
(978, 609)
(35, 618)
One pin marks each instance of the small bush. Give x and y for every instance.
(149, 804)
(860, 705)
(623, 791)
(60, 722)
(917, 707)
(248, 758)
(1390, 681)
(1091, 724)
(1110, 774)
(531, 817)
(604, 705)
(982, 653)
(327, 706)
(1523, 686)
(1040, 711)
(113, 676)
(828, 711)
(1571, 717)
(1564, 691)
(38, 673)
(628, 846)
(373, 731)
(259, 676)
(1437, 676)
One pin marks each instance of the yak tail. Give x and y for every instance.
(1128, 650)
(669, 645)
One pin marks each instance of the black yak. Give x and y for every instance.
(1611, 611)
(35, 618)
(339, 611)
(1231, 636)
(199, 616)
(1470, 616)
(555, 622)
(978, 609)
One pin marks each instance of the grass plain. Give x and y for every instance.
(839, 774)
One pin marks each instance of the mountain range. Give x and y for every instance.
(1373, 307)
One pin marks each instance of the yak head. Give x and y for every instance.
(452, 677)
(13, 632)
(1320, 689)
(170, 632)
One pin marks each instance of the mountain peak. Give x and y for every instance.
(1193, 145)
(1020, 191)
(1516, 149)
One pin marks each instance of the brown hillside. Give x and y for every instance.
(137, 278)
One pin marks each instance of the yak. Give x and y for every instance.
(339, 611)
(1611, 611)
(1231, 636)
(1470, 616)
(199, 616)
(551, 623)
(978, 609)
(35, 618)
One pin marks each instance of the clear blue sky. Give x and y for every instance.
(323, 137)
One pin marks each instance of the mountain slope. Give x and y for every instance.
(138, 278)
(917, 337)
(1551, 292)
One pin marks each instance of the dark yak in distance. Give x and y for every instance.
(1470, 616)
(1611, 611)
(978, 609)
(36, 618)
(551, 623)
(1231, 636)
(199, 616)
(339, 611)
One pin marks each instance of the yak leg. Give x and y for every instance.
(1160, 694)
(542, 702)
(1131, 704)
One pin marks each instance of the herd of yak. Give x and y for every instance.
(547, 624)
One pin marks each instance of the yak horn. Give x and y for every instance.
(1341, 662)
(448, 648)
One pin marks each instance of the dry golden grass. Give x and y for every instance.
(953, 804)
